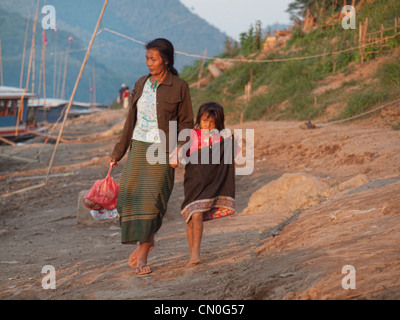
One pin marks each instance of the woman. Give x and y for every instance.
(157, 98)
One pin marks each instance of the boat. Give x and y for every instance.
(12, 109)
(85, 108)
(50, 110)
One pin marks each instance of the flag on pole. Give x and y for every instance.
(45, 38)
(70, 38)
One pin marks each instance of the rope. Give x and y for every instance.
(362, 114)
(254, 60)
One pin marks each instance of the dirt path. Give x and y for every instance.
(256, 256)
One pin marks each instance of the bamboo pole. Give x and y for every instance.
(59, 76)
(94, 83)
(11, 156)
(23, 190)
(44, 73)
(47, 136)
(1, 66)
(41, 70)
(24, 52)
(44, 64)
(21, 105)
(55, 64)
(33, 66)
(65, 70)
(74, 90)
(7, 141)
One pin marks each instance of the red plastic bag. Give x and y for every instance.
(103, 194)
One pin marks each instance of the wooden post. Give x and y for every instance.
(360, 34)
(201, 68)
(381, 41)
(248, 91)
(251, 84)
(340, 14)
(74, 90)
(363, 36)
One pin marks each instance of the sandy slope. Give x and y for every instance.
(268, 255)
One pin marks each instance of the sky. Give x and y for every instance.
(235, 16)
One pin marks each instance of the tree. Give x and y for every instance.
(252, 40)
(298, 8)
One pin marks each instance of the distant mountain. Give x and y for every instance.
(117, 60)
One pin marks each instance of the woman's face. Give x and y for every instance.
(154, 62)
(207, 122)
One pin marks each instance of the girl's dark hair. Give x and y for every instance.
(166, 50)
(213, 110)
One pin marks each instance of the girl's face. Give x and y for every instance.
(207, 122)
(154, 62)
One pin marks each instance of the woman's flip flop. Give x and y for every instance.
(133, 259)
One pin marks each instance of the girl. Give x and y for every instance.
(209, 188)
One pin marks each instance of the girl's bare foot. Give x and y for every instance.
(194, 260)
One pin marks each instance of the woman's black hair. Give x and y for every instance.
(166, 50)
(213, 110)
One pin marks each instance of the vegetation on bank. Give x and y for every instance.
(284, 90)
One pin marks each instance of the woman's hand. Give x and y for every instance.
(112, 162)
(174, 158)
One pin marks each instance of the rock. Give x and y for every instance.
(223, 64)
(283, 33)
(292, 191)
(214, 70)
(269, 44)
(355, 182)
(202, 82)
(83, 215)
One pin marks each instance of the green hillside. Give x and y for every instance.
(288, 89)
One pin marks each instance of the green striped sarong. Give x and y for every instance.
(143, 195)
